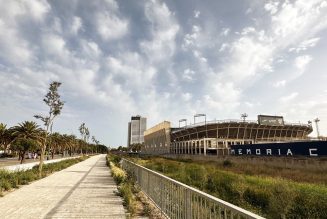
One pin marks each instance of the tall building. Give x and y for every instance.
(136, 128)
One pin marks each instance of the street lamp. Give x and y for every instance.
(205, 121)
(243, 116)
(182, 120)
(316, 121)
(200, 115)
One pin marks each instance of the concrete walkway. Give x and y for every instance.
(84, 190)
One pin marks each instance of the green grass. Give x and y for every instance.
(9, 180)
(272, 197)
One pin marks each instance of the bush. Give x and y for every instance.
(257, 197)
(125, 191)
(227, 163)
(125, 184)
(118, 174)
(114, 159)
(196, 175)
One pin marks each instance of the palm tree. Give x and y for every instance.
(72, 143)
(55, 143)
(27, 130)
(3, 130)
(26, 135)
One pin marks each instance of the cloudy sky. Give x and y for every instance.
(164, 60)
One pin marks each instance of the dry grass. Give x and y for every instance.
(270, 196)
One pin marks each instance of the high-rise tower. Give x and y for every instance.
(136, 128)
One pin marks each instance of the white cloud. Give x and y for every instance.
(253, 54)
(164, 30)
(301, 62)
(196, 14)
(186, 97)
(248, 11)
(281, 83)
(55, 46)
(288, 98)
(247, 30)
(223, 47)
(199, 56)
(35, 10)
(297, 20)
(188, 75)
(38, 8)
(191, 38)
(225, 31)
(305, 45)
(14, 49)
(132, 68)
(76, 25)
(90, 49)
(272, 7)
(248, 57)
(111, 27)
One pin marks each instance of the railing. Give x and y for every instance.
(177, 200)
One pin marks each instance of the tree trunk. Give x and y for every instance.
(41, 161)
(22, 157)
(52, 154)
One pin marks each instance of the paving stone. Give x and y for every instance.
(84, 190)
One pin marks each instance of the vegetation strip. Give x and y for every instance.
(135, 201)
(11, 180)
(28, 166)
(266, 196)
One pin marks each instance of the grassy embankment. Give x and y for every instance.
(272, 197)
(135, 202)
(11, 180)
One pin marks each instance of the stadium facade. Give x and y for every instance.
(218, 137)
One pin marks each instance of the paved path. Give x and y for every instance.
(27, 166)
(84, 190)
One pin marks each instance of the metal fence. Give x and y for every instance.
(177, 200)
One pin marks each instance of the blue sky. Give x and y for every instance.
(164, 60)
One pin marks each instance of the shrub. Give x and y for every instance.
(196, 175)
(125, 191)
(227, 163)
(125, 184)
(118, 174)
(114, 158)
(5, 185)
(257, 197)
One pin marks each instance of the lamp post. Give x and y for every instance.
(182, 120)
(316, 121)
(244, 115)
(205, 120)
(200, 115)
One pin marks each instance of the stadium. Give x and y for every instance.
(224, 137)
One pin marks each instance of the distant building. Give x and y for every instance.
(136, 128)
(157, 139)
